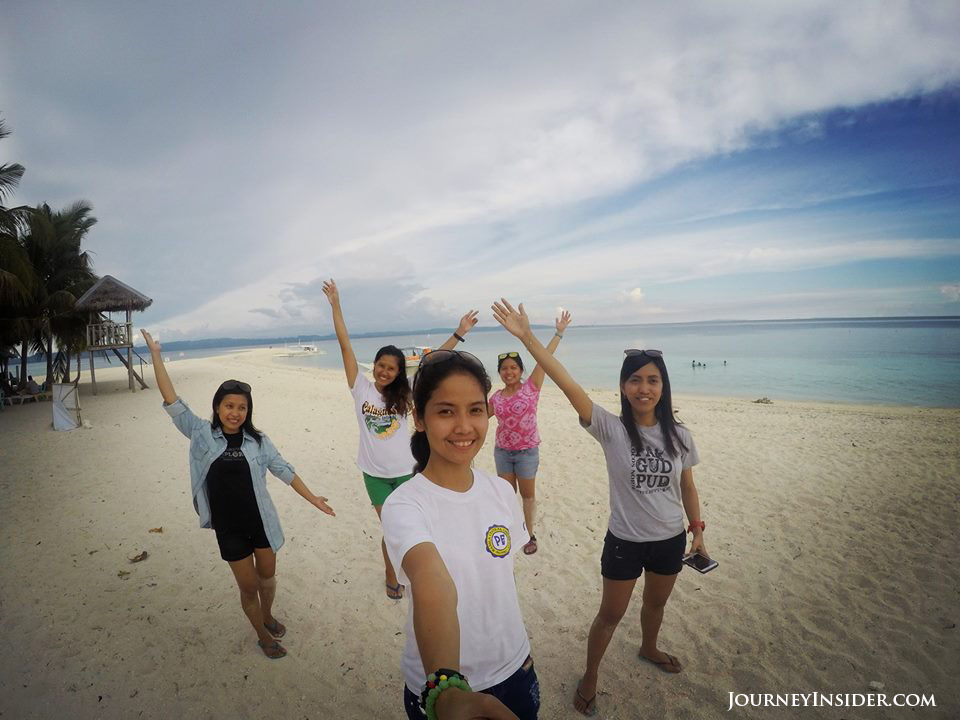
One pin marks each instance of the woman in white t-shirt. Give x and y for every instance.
(453, 532)
(650, 461)
(382, 407)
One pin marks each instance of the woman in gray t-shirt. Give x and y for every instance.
(650, 459)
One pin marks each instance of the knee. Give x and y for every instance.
(610, 617)
(267, 583)
(248, 591)
(654, 603)
(528, 493)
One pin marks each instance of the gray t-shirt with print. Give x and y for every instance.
(645, 500)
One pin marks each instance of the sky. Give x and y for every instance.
(633, 162)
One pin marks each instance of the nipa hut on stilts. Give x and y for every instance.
(104, 334)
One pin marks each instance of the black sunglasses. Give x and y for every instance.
(648, 353)
(439, 356)
(229, 385)
(504, 356)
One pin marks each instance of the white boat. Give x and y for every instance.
(301, 349)
(414, 354)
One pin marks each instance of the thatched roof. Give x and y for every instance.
(111, 295)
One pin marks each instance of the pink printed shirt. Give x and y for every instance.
(517, 417)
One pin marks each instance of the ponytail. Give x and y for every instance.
(420, 449)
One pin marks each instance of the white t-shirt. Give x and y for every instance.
(477, 534)
(645, 499)
(384, 449)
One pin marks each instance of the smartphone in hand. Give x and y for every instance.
(699, 562)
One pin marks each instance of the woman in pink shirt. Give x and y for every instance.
(517, 452)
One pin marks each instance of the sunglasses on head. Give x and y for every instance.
(504, 356)
(229, 385)
(648, 353)
(437, 357)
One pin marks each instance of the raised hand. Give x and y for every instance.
(563, 321)
(330, 290)
(152, 345)
(467, 322)
(514, 321)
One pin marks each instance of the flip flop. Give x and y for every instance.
(670, 665)
(531, 547)
(278, 629)
(280, 652)
(394, 592)
(591, 704)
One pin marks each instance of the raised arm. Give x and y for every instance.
(466, 324)
(536, 377)
(516, 322)
(159, 370)
(437, 629)
(343, 337)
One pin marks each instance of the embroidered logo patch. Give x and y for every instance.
(498, 541)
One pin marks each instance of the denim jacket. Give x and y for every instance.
(207, 444)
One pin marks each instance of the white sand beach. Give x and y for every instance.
(833, 525)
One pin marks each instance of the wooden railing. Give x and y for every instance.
(108, 335)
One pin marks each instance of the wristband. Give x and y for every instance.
(559, 335)
(458, 337)
(697, 524)
(437, 682)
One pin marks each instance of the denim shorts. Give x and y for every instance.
(520, 692)
(522, 463)
(626, 560)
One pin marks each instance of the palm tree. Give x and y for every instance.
(17, 279)
(10, 174)
(53, 245)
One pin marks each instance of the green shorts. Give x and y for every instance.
(379, 489)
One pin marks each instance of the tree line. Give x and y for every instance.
(43, 271)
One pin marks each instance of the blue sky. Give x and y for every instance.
(630, 162)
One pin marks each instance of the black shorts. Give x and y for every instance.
(238, 544)
(625, 560)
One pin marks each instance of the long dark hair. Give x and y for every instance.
(428, 377)
(218, 397)
(663, 411)
(396, 395)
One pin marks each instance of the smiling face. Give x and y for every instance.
(385, 371)
(232, 412)
(642, 389)
(510, 371)
(455, 420)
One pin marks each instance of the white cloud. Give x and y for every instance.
(393, 144)
(951, 292)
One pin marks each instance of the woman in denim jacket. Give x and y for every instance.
(229, 459)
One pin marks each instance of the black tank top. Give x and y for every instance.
(233, 506)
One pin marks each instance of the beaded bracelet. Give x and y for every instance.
(436, 683)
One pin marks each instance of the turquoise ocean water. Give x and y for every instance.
(898, 361)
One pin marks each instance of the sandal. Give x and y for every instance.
(531, 547)
(273, 650)
(589, 706)
(394, 592)
(278, 629)
(670, 665)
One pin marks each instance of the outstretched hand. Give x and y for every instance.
(320, 503)
(330, 290)
(152, 345)
(514, 321)
(467, 322)
(563, 321)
